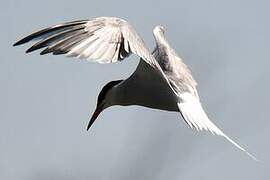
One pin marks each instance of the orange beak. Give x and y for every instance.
(94, 117)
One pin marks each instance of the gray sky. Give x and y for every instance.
(46, 100)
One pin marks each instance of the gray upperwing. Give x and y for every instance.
(175, 70)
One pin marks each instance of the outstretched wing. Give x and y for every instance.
(102, 39)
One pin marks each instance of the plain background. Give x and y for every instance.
(46, 101)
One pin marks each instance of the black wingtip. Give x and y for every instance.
(45, 51)
(17, 43)
(48, 30)
(59, 52)
(29, 50)
(22, 41)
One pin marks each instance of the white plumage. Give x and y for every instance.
(161, 80)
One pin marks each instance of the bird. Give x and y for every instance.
(161, 80)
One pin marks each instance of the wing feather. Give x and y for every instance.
(113, 34)
(193, 113)
(101, 32)
(57, 36)
(50, 30)
(63, 46)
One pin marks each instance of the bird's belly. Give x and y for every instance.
(157, 102)
(146, 87)
(152, 95)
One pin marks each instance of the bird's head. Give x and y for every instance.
(104, 100)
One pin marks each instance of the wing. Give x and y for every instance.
(102, 39)
(194, 115)
(189, 104)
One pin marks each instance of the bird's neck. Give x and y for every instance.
(112, 96)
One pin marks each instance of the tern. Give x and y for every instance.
(160, 81)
